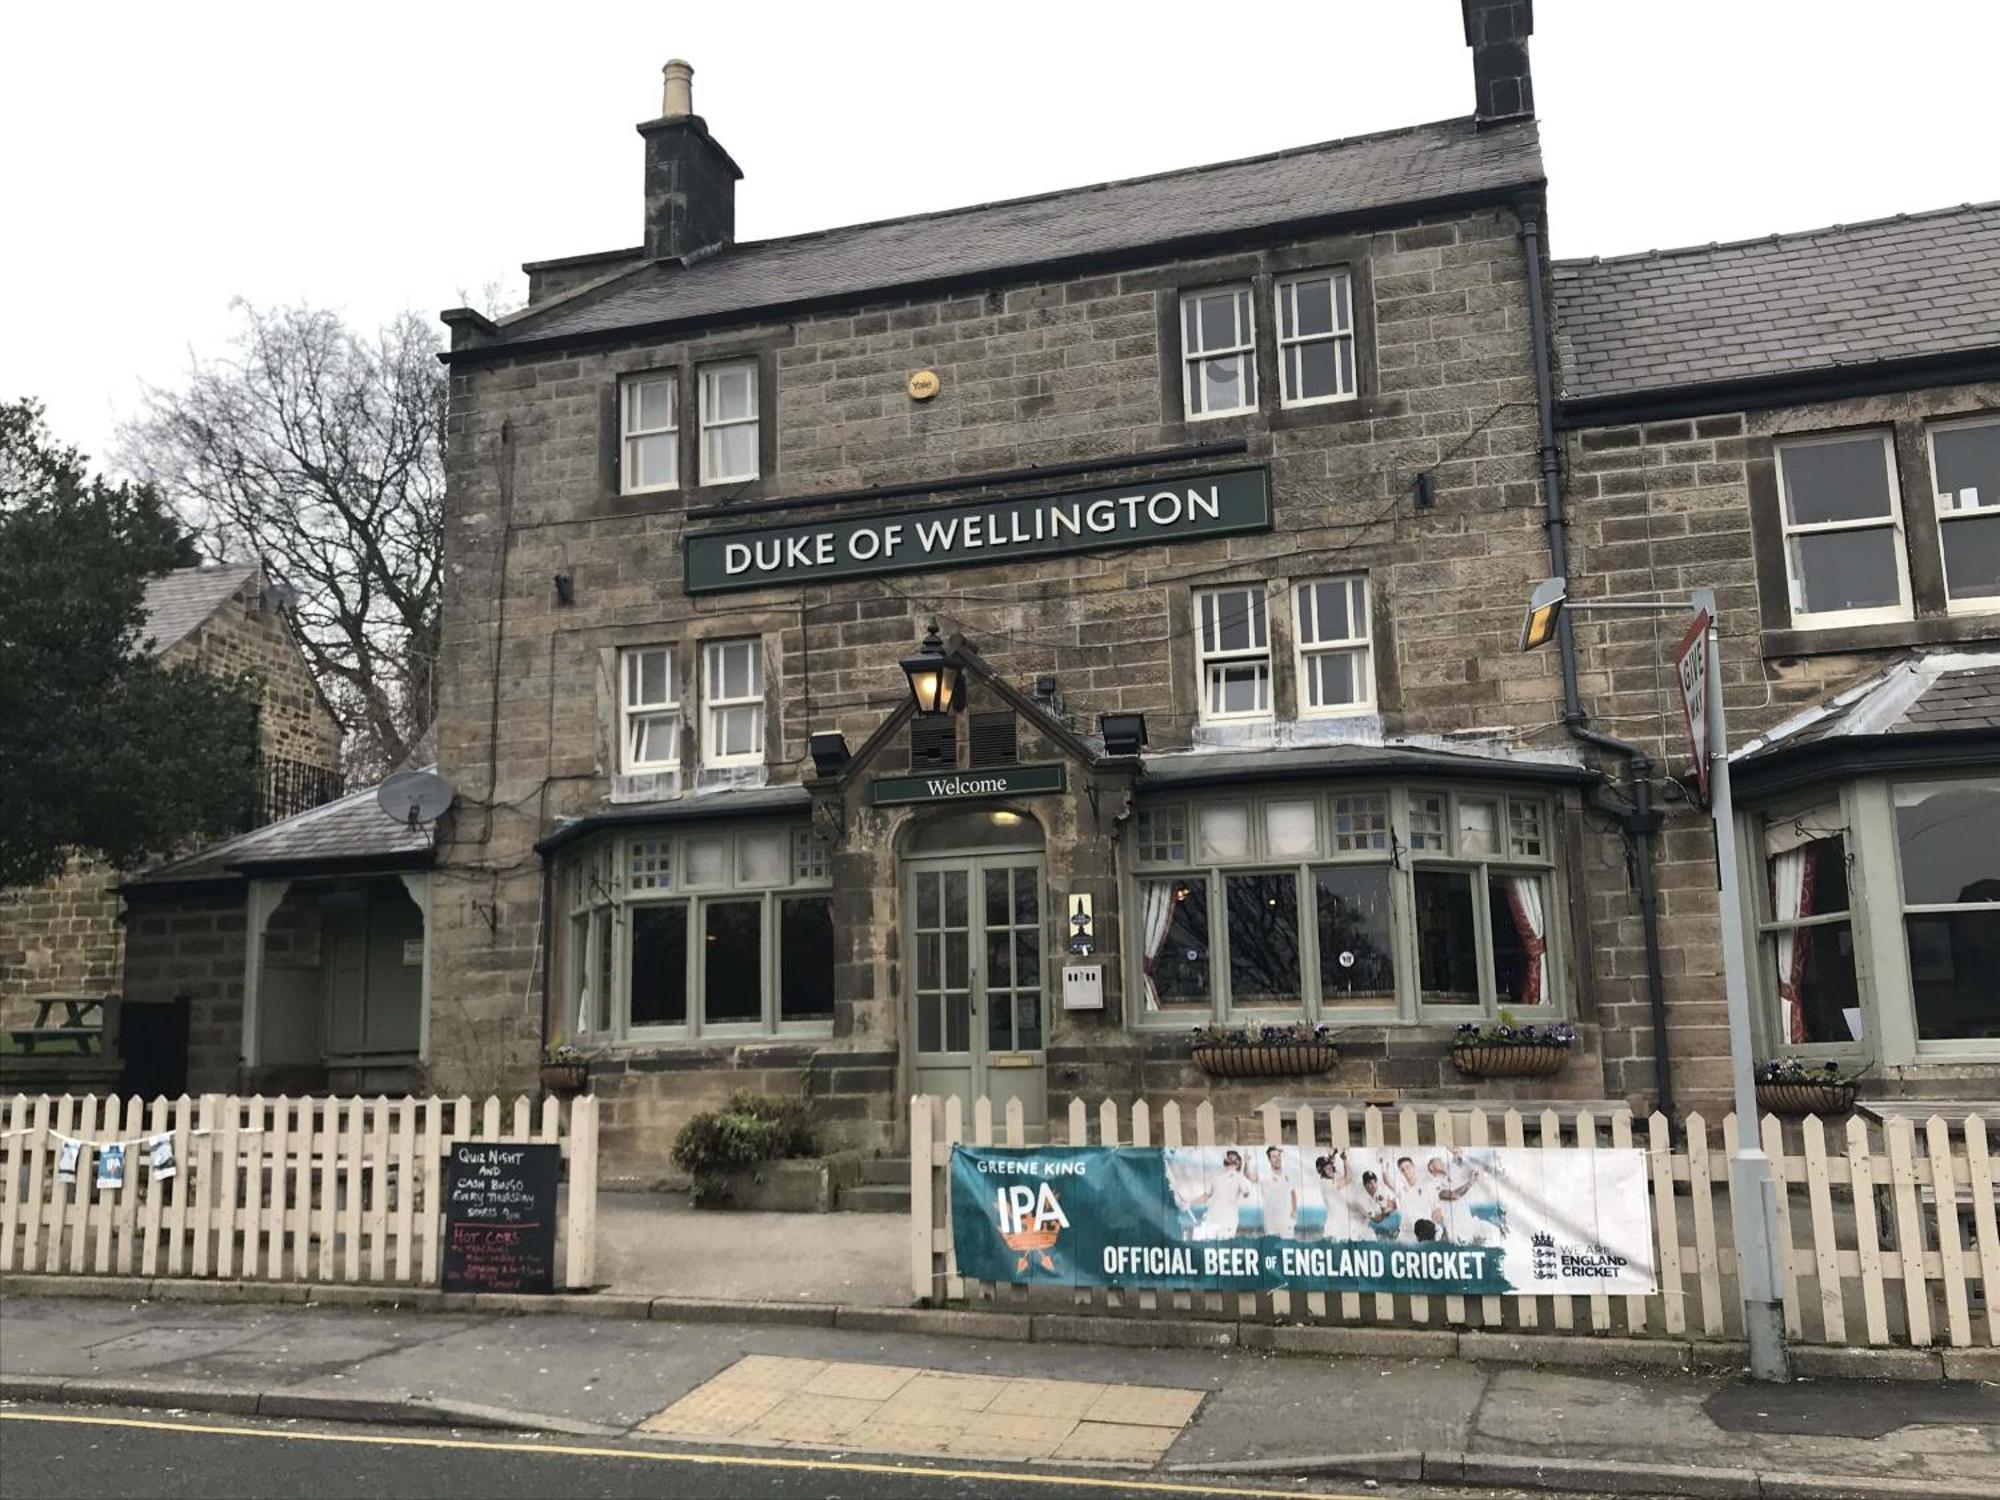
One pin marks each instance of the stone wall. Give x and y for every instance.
(1031, 373)
(1670, 507)
(246, 635)
(191, 945)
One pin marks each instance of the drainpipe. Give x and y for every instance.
(1635, 815)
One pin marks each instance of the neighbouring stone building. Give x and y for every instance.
(67, 938)
(1228, 488)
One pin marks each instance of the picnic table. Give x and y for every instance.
(81, 1026)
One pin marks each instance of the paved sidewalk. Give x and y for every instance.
(655, 1245)
(1250, 1411)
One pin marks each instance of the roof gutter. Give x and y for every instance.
(1635, 815)
(1757, 393)
(481, 348)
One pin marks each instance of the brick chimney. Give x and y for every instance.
(690, 180)
(1497, 31)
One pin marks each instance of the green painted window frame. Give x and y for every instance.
(1408, 1008)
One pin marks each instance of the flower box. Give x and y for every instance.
(1509, 1059)
(1265, 1059)
(1806, 1097)
(565, 1077)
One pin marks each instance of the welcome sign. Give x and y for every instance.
(1139, 514)
(1422, 1220)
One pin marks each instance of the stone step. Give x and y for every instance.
(875, 1198)
(893, 1171)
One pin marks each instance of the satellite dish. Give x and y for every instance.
(415, 797)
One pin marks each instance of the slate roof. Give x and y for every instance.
(1925, 693)
(1447, 159)
(1917, 284)
(178, 602)
(730, 802)
(346, 830)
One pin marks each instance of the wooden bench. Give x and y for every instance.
(82, 1026)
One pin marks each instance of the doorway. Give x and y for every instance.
(975, 919)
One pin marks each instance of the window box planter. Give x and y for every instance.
(565, 1078)
(1508, 1049)
(1797, 1100)
(1264, 1051)
(1509, 1059)
(1265, 1059)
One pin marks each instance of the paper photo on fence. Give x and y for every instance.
(68, 1154)
(160, 1156)
(111, 1165)
(1424, 1220)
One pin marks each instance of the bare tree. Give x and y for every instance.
(319, 450)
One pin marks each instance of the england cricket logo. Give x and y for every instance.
(1030, 1220)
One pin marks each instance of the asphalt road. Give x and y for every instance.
(77, 1453)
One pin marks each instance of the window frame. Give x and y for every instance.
(705, 424)
(1904, 609)
(1945, 518)
(629, 434)
(1206, 660)
(1305, 652)
(628, 659)
(714, 705)
(1341, 279)
(1406, 1007)
(613, 905)
(1244, 350)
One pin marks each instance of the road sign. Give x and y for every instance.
(1691, 668)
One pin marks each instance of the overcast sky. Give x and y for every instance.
(163, 159)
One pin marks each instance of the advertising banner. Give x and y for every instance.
(1426, 1220)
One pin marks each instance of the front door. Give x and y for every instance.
(977, 966)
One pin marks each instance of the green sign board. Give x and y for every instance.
(1142, 513)
(955, 786)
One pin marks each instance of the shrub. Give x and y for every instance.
(748, 1130)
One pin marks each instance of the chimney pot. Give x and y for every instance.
(678, 101)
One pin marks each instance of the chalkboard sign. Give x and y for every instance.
(500, 1217)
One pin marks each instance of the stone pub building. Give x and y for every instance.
(1225, 489)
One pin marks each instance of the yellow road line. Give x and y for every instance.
(719, 1460)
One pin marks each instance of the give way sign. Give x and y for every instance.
(1691, 670)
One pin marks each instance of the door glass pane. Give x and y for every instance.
(805, 958)
(996, 898)
(1844, 481)
(1263, 938)
(1028, 958)
(1026, 908)
(659, 965)
(999, 958)
(958, 1018)
(930, 961)
(930, 1022)
(1356, 949)
(1447, 938)
(954, 897)
(1948, 835)
(1000, 1019)
(1954, 961)
(1174, 925)
(732, 961)
(928, 885)
(1028, 1020)
(957, 969)
(1847, 570)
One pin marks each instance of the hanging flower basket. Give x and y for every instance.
(565, 1077)
(1786, 1086)
(1264, 1051)
(1507, 1050)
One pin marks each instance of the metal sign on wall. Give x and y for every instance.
(952, 786)
(1141, 513)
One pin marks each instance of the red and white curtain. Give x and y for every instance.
(1524, 902)
(1791, 899)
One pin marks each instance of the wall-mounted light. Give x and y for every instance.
(829, 753)
(935, 674)
(565, 589)
(1124, 734)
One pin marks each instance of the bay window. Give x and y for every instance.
(1879, 921)
(1380, 904)
(675, 936)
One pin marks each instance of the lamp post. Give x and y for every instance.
(1753, 1203)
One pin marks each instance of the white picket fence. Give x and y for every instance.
(1888, 1232)
(272, 1189)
